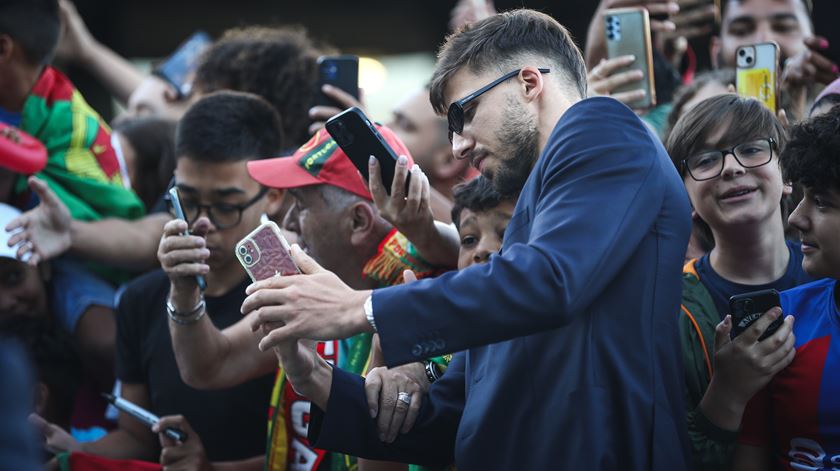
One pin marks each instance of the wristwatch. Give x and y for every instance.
(369, 312)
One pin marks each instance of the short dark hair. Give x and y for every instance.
(153, 140)
(686, 93)
(278, 64)
(52, 352)
(477, 195)
(34, 25)
(812, 155)
(501, 42)
(832, 99)
(229, 126)
(743, 119)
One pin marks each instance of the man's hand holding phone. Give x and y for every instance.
(604, 78)
(410, 212)
(320, 114)
(744, 365)
(183, 258)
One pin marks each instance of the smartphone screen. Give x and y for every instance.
(359, 139)
(341, 72)
(749, 307)
(628, 33)
(179, 69)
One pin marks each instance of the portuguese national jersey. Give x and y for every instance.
(797, 415)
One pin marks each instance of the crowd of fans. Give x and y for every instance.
(564, 287)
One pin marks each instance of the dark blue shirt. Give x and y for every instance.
(10, 117)
(722, 289)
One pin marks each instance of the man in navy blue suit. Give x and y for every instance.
(571, 356)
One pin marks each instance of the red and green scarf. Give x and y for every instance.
(82, 167)
(288, 415)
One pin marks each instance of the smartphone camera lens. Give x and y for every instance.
(248, 259)
(749, 60)
(742, 53)
(243, 250)
(330, 71)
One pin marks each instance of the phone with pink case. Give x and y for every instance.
(265, 253)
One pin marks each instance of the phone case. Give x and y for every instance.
(757, 67)
(179, 69)
(265, 253)
(749, 307)
(628, 32)
(359, 139)
(339, 71)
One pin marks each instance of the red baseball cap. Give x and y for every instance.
(320, 162)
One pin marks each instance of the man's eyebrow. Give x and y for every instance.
(783, 16)
(186, 188)
(228, 191)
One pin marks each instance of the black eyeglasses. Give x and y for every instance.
(709, 165)
(222, 215)
(455, 114)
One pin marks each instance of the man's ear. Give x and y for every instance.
(7, 48)
(276, 204)
(532, 82)
(362, 218)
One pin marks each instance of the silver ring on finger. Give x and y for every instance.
(404, 397)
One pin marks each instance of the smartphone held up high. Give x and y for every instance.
(757, 72)
(628, 33)
(359, 139)
(341, 72)
(179, 68)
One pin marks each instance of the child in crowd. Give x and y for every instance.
(794, 423)
(481, 215)
(726, 149)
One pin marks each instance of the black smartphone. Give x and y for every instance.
(359, 139)
(749, 307)
(179, 68)
(340, 72)
(175, 201)
(824, 12)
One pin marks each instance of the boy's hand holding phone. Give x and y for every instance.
(744, 365)
(183, 258)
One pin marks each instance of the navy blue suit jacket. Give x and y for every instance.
(572, 356)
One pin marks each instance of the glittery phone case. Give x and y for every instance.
(265, 253)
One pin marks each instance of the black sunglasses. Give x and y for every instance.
(455, 115)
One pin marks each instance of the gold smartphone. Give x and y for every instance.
(628, 32)
(757, 72)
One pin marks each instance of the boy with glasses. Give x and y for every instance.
(726, 149)
(222, 204)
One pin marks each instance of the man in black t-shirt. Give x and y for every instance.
(222, 204)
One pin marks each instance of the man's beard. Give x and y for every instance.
(518, 150)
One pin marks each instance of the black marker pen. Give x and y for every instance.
(144, 416)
